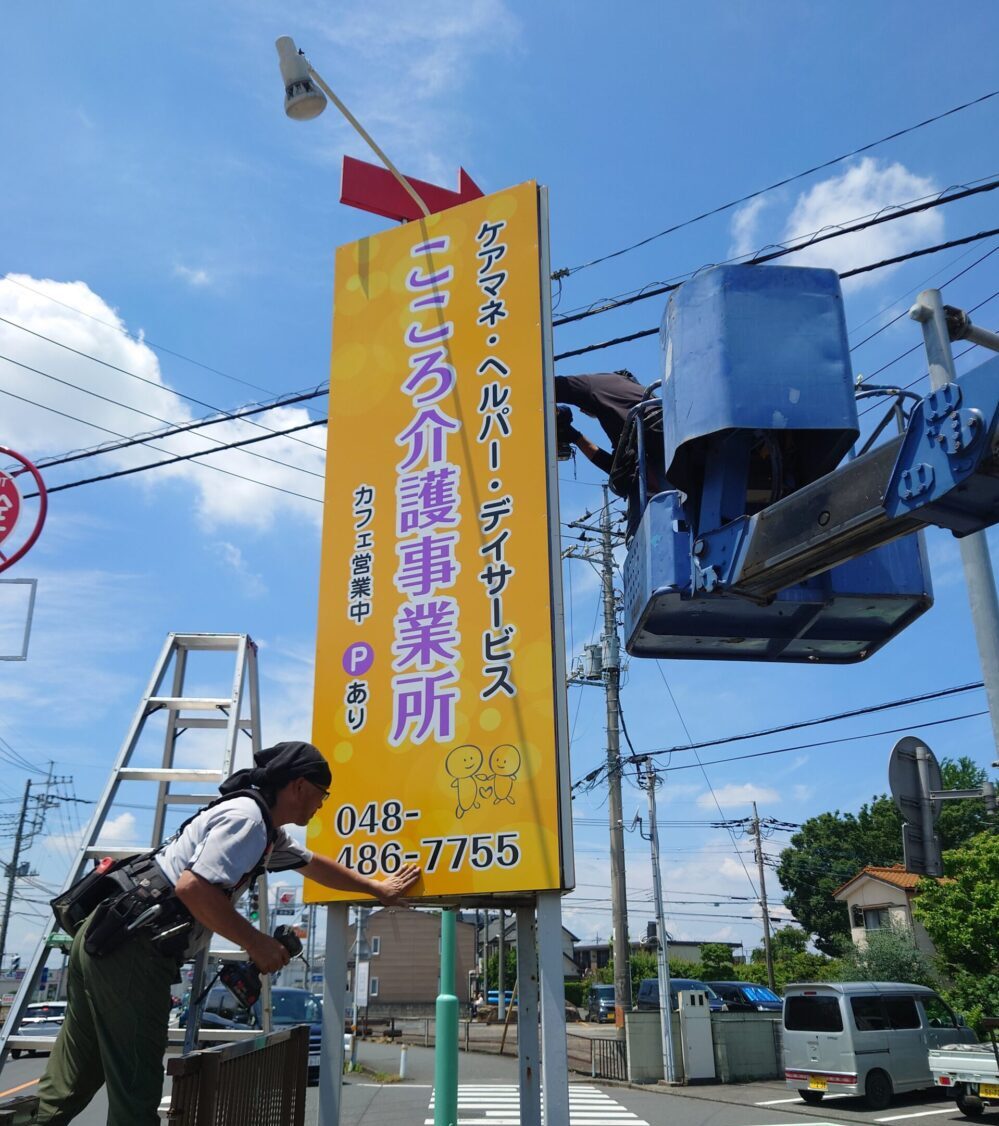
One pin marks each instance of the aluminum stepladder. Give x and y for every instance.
(237, 713)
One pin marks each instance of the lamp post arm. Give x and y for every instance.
(411, 191)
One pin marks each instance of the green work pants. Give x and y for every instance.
(115, 1032)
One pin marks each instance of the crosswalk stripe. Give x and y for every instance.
(499, 1105)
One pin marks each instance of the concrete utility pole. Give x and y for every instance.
(979, 578)
(27, 829)
(649, 779)
(768, 953)
(605, 669)
(612, 686)
(500, 968)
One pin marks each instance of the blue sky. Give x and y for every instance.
(154, 184)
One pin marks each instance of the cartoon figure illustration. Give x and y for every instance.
(504, 763)
(463, 764)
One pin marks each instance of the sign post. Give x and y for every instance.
(440, 683)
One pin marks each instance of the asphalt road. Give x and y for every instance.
(487, 1095)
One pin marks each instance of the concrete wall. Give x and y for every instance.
(747, 1046)
(645, 1047)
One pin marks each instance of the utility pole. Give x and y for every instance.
(979, 578)
(610, 675)
(763, 898)
(501, 968)
(612, 682)
(649, 779)
(27, 829)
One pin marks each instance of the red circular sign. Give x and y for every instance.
(11, 505)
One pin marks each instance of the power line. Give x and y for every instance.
(198, 454)
(870, 709)
(125, 371)
(140, 439)
(135, 338)
(846, 274)
(778, 184)
(154, 417)
(832, 742)
(887, 214)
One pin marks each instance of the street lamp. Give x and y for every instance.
(305, 95)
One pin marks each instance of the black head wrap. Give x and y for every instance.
(277, 766)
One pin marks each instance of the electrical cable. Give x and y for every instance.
(155, 435)
(130, 374)
(885, 262)
(777, 184)
(888, 214)
(171, 461)
(155, 417)
(136, 338)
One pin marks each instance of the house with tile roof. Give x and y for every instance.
(876, 897)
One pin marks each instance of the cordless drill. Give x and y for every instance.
(242, 979)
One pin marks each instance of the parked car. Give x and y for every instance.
(44, 1012)
(648, 993)
(745, 997)
(492, 997)
(43, 1018)
(288, 1006)
(869, 1038)
(600, 1003)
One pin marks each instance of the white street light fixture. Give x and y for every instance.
(305, 95)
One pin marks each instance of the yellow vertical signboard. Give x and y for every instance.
(439, 676)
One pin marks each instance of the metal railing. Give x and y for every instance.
(608, 1058)
(258, 1082)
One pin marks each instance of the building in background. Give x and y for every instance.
(881, 897)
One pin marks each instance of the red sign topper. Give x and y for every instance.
(11, 506)
(372, 188)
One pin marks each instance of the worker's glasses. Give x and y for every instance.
(316, 786)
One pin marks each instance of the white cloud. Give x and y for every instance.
(736, 794)
(195, 277)
(251, 584)
(863, 189)
(745, 227)
(402, 68)
(136, 403)
(119, 830)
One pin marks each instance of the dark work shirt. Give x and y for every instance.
(606, 396)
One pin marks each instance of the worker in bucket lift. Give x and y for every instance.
(605, 396)
(149, 914)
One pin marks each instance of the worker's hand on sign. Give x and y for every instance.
(390, 890)
(267, 954)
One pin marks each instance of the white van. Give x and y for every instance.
(867, 1038)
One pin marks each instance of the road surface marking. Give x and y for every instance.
(499, 1105)
(797, 1099)
(919, 1114)
(23, 1086)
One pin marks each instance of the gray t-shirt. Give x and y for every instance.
(223, 845)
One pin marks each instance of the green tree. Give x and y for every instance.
(716, 962)
(509, 969)
(793, 961)
(889, 954)
(961, 916)
(961, 913)
(830, 849)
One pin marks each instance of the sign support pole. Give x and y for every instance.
(446, 1030)
(527, 1017)
(554, 1055)
(334, 1015)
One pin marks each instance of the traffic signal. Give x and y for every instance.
(254, 904)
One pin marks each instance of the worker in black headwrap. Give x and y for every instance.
(123, 963)
(606, 396)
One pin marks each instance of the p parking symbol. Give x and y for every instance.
(358, 658)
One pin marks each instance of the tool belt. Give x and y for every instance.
(126, 898)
